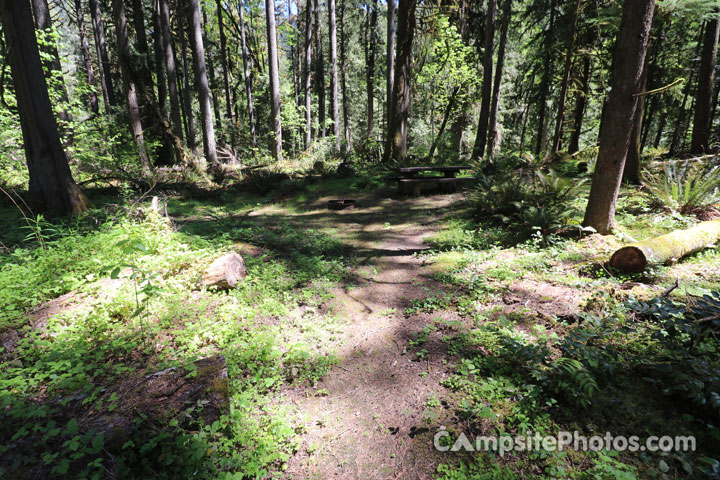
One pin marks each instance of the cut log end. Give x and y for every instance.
(629, 259)
(225, 272)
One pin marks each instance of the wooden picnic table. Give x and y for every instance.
(409, 182)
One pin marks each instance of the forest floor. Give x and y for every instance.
(356, 336)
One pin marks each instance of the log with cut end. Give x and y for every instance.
(224, 272)
(666, 249)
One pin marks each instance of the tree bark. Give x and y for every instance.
(545, 82)
(334, 74)
(567, 70)
(246, 75)
(397, 129)
(343, 58)
(580, 103)
(370, 66)
(319, 71)
(224, 63)
(170, 68)
(190, 133)
(481, 137)
(630, 51)
(390, 74)
(51, 186)
(308, 74)
(130, 83)
(706, 79)
(101, 47)
(276, 146)
(632, 170)
(87, 59)
(497, 81)
(159, 55)
(201, 80)
(210, 72)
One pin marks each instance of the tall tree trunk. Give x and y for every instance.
(51, 187)
(497, 81)
(319, 71)
(370, 66)
(632, 170)
(343, 58)
(211, 72)
(567, 70)
(159, 54)
(87, 59)
(190, 133)
(580, 102)
(630, 51)
(224, 63)
(481, 137)
(390, 74)
(545, 82)
(201, 81)
(53, 66)
(397, 129)
(170, 67)
(448, 111)
(246, 75)
(334, 74)
(274, 80)
(101, 47)
(308, 74)
(706, 79)
(679, 131)
(130, 83)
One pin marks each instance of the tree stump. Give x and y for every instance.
(225, 272)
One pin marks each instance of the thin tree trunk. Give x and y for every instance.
(448, 111)
(567, 70)
(169, 51)
(211, 73)
(545, 83)
(343, 58)
(201, 81)
(224, 63)
(631, 48)
(706, 79)
(100, 45)
(580, 102)
(319, 71)
(130, 83)
(632, 170)
(397, 129)
(334, 74)
(370, 66)
(246, 75)
(308, 73)
(159, 55)
(497, 81)
(190, 134)
(87, 59)
(481, 137)
(274, 80)
(390, 74)
(51, 187)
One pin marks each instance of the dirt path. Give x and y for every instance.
(361, 420)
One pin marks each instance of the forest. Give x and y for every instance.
(391, 239)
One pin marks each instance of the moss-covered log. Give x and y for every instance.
(666, 248)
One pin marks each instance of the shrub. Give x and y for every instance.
(685, 188)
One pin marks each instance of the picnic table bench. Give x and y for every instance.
(410, 182)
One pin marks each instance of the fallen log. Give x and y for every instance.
(224, 272)
(666, 249)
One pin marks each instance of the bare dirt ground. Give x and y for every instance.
(365, 418)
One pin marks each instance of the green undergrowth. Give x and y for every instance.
(134, 304)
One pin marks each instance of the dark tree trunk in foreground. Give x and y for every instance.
(390, 74)
(201, 81)
(170, 68)
(130, 83)
(706, 79)
(497, 81)
(319, 71)
(580, 102)
(87, 59)
(51, 187)
(101, 47)
(481, 137)
(370, 66)
(334, 74)
(632, 170)
(567, 70)
(57, 82)
(308, 74)
(630, 51)
(343, 58)
(397, 128)
(159, 55)
(246, 75)
(274, 80)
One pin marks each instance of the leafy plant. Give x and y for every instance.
(685, 187)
